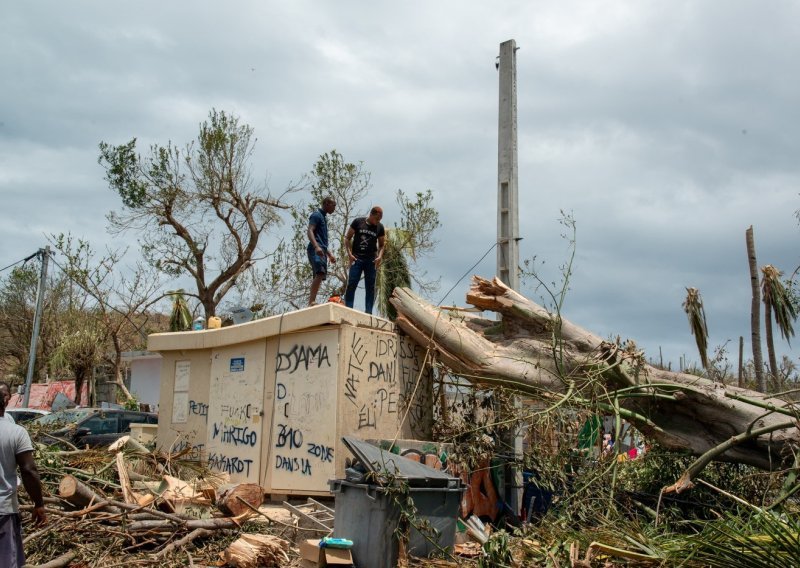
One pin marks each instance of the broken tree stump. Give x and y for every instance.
(233, 500)
(79, 495)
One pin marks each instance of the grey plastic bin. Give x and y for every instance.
(367, 515)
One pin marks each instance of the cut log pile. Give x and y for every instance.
(151, 509)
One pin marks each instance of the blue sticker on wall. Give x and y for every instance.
(237, 364)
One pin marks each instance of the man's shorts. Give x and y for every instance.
(11, 551)
(319, 264)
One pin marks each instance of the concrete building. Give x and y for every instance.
(268, 401)
(143, 377)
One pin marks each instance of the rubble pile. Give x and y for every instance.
(126, 505)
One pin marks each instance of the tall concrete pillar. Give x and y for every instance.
(508, 226)
(507, 192)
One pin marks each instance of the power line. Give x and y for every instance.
(26, 259)
(439, 303)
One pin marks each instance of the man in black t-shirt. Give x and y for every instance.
(364, 242)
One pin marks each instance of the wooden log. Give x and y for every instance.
(59, 562)
(210, 524)
(196, 533)
(79, 495)
(132, 443)
(122, 471)
(230, 497)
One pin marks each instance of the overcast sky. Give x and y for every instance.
(666, 128)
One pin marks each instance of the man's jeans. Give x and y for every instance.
(368, 268)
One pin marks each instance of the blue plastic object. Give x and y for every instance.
(330, 542)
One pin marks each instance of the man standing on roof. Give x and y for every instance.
(16, 451)
(318, 254)
(365, 255)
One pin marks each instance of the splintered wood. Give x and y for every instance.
(254, 550)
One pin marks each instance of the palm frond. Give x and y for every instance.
(762, 541)
(180, 317)
(693, 306)
(394, 270)
(777, 297)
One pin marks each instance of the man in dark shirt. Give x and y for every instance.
(318, 254)
(364, 242)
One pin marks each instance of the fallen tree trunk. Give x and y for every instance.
(547, 357)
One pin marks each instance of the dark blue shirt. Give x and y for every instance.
(319, 222)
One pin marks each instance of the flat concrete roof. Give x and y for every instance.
(289, 322)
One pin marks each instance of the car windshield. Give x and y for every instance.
(65, 416)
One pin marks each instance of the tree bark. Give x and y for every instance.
(741, 362)
(755, 311)
(773, 361)
(545, 356)
(234, 500)
(216, 523)
(80, 495)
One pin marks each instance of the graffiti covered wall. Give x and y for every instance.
(384, 390)
(235, 427)
(304, 414)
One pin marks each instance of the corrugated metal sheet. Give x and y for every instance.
(42, 394)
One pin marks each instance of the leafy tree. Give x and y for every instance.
(78, 354)
(394, 272)
(196, 210)
(411, 238)
(17, 302)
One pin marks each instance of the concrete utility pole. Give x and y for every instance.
(508, 224)
(507, 192)
(44, 254)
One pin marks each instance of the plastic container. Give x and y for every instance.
(198, 324)
(369, 516)
(214, 322)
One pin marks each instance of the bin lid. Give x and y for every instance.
(414, 473)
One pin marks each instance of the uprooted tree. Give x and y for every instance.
(544, 356)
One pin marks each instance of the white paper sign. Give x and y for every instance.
(180, 407)
(182, 371)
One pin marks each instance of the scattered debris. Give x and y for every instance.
(254, 550)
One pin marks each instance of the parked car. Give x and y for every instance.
(21, 415)
(91, 426)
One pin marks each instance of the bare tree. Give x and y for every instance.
(116, 316)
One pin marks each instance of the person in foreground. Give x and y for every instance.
(5, 392)
(16, 451)
(364, 241)
(318, 254)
